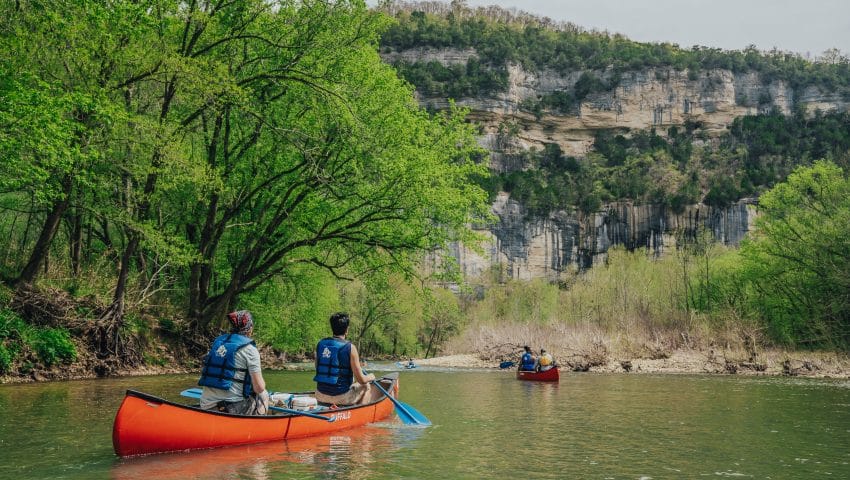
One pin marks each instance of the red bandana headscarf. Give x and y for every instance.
(241, 321)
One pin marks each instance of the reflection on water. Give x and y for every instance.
(345, 454)
(487, 424)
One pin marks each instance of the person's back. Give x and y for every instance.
(334, 375)
(546, 361)
(232, 374)
(527, 361)
(339, 378)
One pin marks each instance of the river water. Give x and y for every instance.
(487, 424)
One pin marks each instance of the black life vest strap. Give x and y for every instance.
(221, 376)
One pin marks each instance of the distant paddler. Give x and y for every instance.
(546, 362)
(528, 361)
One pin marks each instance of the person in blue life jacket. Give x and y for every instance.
(340, 380)
(527, 362)
(232, 376)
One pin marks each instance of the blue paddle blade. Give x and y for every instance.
(405, 412)
(192, 393)
(505, 365)
(416, 415)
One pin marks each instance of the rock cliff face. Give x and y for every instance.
(641, 99)
(524, 247)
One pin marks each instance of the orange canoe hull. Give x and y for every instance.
(146, 424)
(550, 375)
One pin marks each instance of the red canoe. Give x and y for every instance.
(146, 424)
(550, 375)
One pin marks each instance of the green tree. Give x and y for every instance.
(799, 259)
(318, 155)
(60, 111)
(443, 319)
(292, 315)
(237, 147)
(385, 313)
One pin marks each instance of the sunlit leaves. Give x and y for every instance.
(246, 145)
(800, 258)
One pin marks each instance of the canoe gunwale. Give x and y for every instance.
(153, 398)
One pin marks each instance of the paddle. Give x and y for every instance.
(196, 393)
(507, 364)
(405, 412)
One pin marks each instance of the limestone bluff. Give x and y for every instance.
(525, 246)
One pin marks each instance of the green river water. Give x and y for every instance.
(487, 424)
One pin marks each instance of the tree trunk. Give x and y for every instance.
(103, 234)
(194, 293)
(76, 242)
(45, 238)
(8, 248)
(145, 275)
(431, 340)
(116, 310)
(214, 311)
(89, 235)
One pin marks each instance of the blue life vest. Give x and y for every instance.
(333, 366)
(527, 362)
(220, 364)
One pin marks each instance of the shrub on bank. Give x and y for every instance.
(633, 303)
(17, 337)
(629, 289)
(52, 345)
(5, 358)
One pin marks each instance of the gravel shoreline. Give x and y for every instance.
(774, 363)
(768, 363)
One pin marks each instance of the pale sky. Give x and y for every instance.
(803, 26)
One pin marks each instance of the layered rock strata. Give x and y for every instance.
(524, 247)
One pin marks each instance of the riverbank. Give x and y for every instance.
(486, 349)
(88, 366)
(774, 363)
(589, 348)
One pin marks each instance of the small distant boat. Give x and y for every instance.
(550, 375)
(406, 365)
(146, 424)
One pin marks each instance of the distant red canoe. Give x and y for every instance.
(550, 375)
(146, 424)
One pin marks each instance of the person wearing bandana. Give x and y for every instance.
(232, 376)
